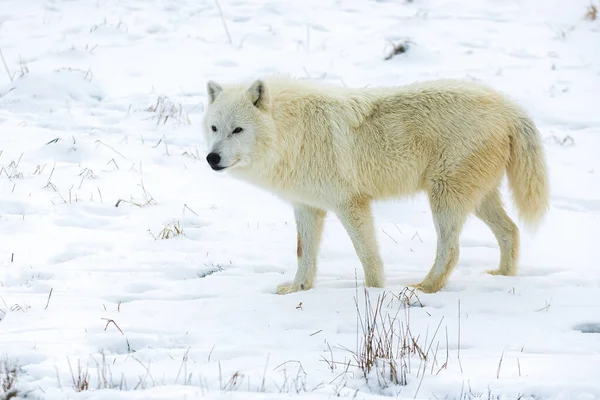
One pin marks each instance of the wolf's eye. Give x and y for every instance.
(214, 128)
(237, 130)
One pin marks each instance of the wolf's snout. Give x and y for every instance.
(213, 159)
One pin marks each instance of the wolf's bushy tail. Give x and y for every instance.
(527, 173)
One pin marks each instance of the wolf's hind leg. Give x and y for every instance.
(450, 208)
(448, 227)
(492, 213)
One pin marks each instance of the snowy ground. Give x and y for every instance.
(84, 123)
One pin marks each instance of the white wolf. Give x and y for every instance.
(328, 148)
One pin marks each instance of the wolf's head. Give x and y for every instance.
(236, 124)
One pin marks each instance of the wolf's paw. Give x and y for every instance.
(494, 272)
(287, 288)
(425, 287)
(291, 287)
(500, 272)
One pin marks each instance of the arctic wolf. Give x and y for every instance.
(328, 148)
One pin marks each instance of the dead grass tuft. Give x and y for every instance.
(397, 49)
(213, 268)
(147, 199)
(12, 170)
(387, 351)
(169, 231)
(591, 12)
(294, 382)
(166, 109)
(81, 379)
(566, 141)
(24, 70)
(9, 373)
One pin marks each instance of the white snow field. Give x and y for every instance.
(101, 104)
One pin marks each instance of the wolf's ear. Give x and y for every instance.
(259, 95)
(214, 90)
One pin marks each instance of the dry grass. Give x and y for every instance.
(213, 268)
(165, 109)
(11, 171)
(294, 378)
(233, 383)
(24, 70)
(397, 49)
(470, 394)
(591, 12)
(9, 373)
(546, 307)
(5, 308)
(229, 41)
(565, 141)
(81, 379)
(147, 199)
(19, 307)
(294, 382)
(24, 307)
(387, 351)
(169, 231)
(105, 376)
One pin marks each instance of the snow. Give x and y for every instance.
(102, 102)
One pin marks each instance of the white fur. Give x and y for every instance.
(328, 148)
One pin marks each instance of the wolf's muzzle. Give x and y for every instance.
(213, 160)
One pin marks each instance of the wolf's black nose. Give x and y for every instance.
(213, 159)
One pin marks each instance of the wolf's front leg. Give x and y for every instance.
(309, 224)
(358, 221)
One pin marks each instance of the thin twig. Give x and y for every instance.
(499, 366)
(49, 295)
(110, 147)
(223, 20)
(459, 362)
(211, 351)
(147, 370)
(421, 381)
(10, 76)
(262, 389)
(193, 212)
(388, 235)
(114, 323)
